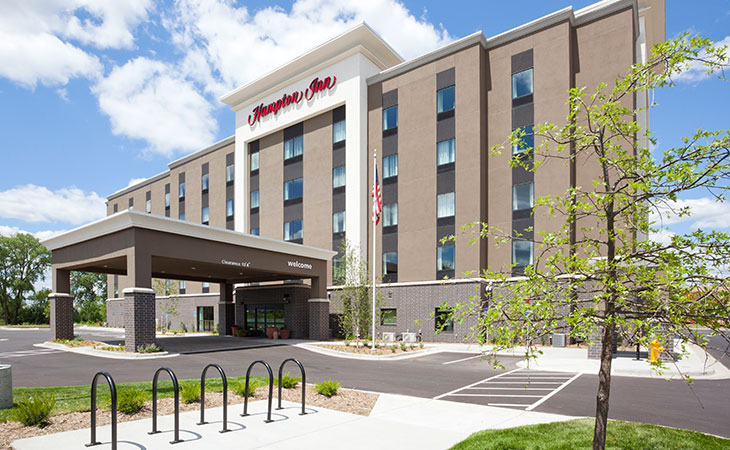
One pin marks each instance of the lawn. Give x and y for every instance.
(578, 434)
(78, 398)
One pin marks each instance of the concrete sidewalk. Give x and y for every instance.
(396, 421)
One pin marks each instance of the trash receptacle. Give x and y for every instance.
(6, 386)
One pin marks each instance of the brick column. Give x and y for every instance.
(319, 318)
(62, 316)
(139, 318)
(226, 310)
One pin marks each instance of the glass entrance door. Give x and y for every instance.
(205, 318)
(258, 317)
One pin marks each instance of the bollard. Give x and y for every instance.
(656, 349)
(113, 393)
(225, 396)
(271, 388)
(304, 382)
(6, 386)
(176, 388)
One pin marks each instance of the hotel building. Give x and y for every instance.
(299, 166)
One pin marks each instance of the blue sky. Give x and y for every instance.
(94, 94)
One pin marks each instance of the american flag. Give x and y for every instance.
(377, 199)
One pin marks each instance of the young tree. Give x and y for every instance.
(89, 291)
(597, 272)
(169, 306)
(36, 308)
(356, 294)
(23, 261)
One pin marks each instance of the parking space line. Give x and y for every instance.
(462, 359)
(513, 389)
(541, 401)
(511, 405)
(496, 395)
(474, 384)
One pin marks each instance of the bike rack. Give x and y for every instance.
(225, 396)
(176, 388)
(113, 391)
(304, 382)
(271, 388)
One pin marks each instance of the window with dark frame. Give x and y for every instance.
(445, 152)
(229, 208)
(390, 263)
(204, 182)
(388, 316)
(338, 222)
(523, 196)
(339, 131)
(445, 258)
(292, 148)
(390, 166)
(205, 215)
(526, 142)
(338, 177)
(390, 118)
(255, 199)
(522, 84)
(230, 173)
(445, 99)
(293, 230)
(293, 189)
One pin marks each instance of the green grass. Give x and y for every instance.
(78, 398)
(27, 325)
(578, 434)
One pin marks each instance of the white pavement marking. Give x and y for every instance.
(474, 384)
(3, 340)
(496, 395)
(21, 353)
(462, 359)
(539, 402)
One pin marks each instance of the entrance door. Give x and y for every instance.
(258, 317)
(205, 318)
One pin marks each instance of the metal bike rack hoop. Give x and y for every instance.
(113, 392)
(304, 382)
(271, 388)
(176, 388)
(225, 396)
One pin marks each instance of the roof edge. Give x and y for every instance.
(136, 186)
(199, 153)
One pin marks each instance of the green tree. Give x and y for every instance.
(89, 291)
(355, 294)
(170, 289)
(23, 261)
(36, 308)
(598, 273)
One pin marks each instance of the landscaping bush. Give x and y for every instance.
(130, 401)
(393, 348)
(34, 410)
(151, 348)
(403, 346)
(288, 382)
(239, 388)
(190, 393)
(327, 388)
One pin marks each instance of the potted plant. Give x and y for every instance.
(234, 330)
(270, 332)
(241, 333)
(284, 333)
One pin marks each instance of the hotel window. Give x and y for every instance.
(444, 320)
(338, 222)
(390, 118)
(522, 253)
(445, 152)
(204, 182)
(229, 208)
(526, 142)
(388, 316)
(254, 199)
(116, 286)
(115, 208)
(255, 231)
(292, 148)
(181, 216)
(293, 189)
(338, 177)
(131, 203)
(148, 206)
(181, 191)
(390, 263)
(522, 196)
(255, 161)
(206, 287)
(390, 214)
(338, 269)
(445, 258)
(445, 205)
(445, 99)
(167, 199)
(390, 166)
(522, 84)
(338, 131)
(293, 230)
(229, 173)
(205, 214)
(182, 286)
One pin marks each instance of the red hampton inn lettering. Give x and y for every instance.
(315, 86)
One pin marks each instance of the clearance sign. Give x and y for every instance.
(315, 86)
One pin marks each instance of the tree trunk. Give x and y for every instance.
(604, 388)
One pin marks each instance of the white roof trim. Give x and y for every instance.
(379, 51)
(130, 218)
(136, 186)
(210, 149)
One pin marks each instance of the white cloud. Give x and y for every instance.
(38, 37)
(239, 46)
(662, 236)
(134, 181)
(31, 203)
(41, 235)
(705, 212)
(150, 100)
(696, 72)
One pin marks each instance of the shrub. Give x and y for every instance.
(412, 346)
(190, 393)
(403, 346)
(151, 348)
(288, 382)
(239, 388)
(420, 344)
(393, 348)
(130, 401)
(35, 410)
(327, 388)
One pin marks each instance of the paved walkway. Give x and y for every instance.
(396, 422)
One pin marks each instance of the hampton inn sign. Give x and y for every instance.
(315, 86)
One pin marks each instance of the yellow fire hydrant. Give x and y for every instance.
(656, 349)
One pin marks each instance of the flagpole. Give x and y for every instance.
(375, 199)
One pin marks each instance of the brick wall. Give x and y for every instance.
(139, 318)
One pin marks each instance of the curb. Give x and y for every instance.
(325, 351)
(104, 353)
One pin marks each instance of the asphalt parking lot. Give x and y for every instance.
(703, 406)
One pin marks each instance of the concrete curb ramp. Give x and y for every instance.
(395, 422)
